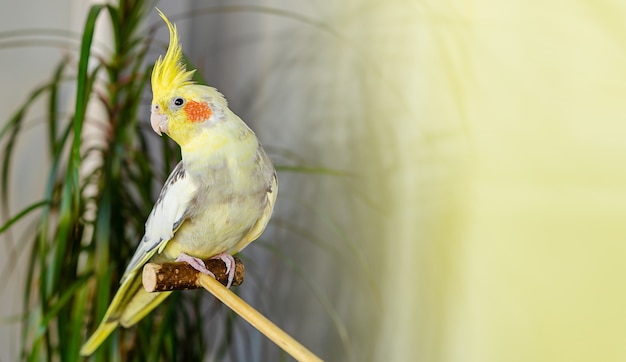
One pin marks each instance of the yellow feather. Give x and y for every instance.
(96, 339)
(111, 318)
(141, 304)
(170, 72)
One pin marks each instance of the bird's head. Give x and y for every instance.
(180, 108)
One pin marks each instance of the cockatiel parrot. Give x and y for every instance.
(216, 201)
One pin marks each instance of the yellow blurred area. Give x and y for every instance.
(529, 263)
(543, 255)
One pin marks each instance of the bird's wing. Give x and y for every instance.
(166, 217)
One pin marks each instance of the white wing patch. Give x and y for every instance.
(167, 215)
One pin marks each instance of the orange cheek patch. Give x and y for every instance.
(197, 111)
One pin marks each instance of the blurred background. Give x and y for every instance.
(478, 208)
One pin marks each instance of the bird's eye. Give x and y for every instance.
(178, 101)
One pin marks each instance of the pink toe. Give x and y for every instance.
(229, 261)
(195, 263)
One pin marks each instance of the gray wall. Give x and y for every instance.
(21, 70)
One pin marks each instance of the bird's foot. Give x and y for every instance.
(230, 266)
(195, 263)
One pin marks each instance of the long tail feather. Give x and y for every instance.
(124, 294)
(96, 339)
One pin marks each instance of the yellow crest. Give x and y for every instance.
(170, 72)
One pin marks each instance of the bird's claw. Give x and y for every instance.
(195, 263)
(229, 261)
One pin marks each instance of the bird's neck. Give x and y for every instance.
(215, 150)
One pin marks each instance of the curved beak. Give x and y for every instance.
(158, 121)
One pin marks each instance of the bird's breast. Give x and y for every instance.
(231, 199)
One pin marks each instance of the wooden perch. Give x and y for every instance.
(179, 276)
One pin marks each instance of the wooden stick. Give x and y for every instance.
(258, 321)
(180, 276)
